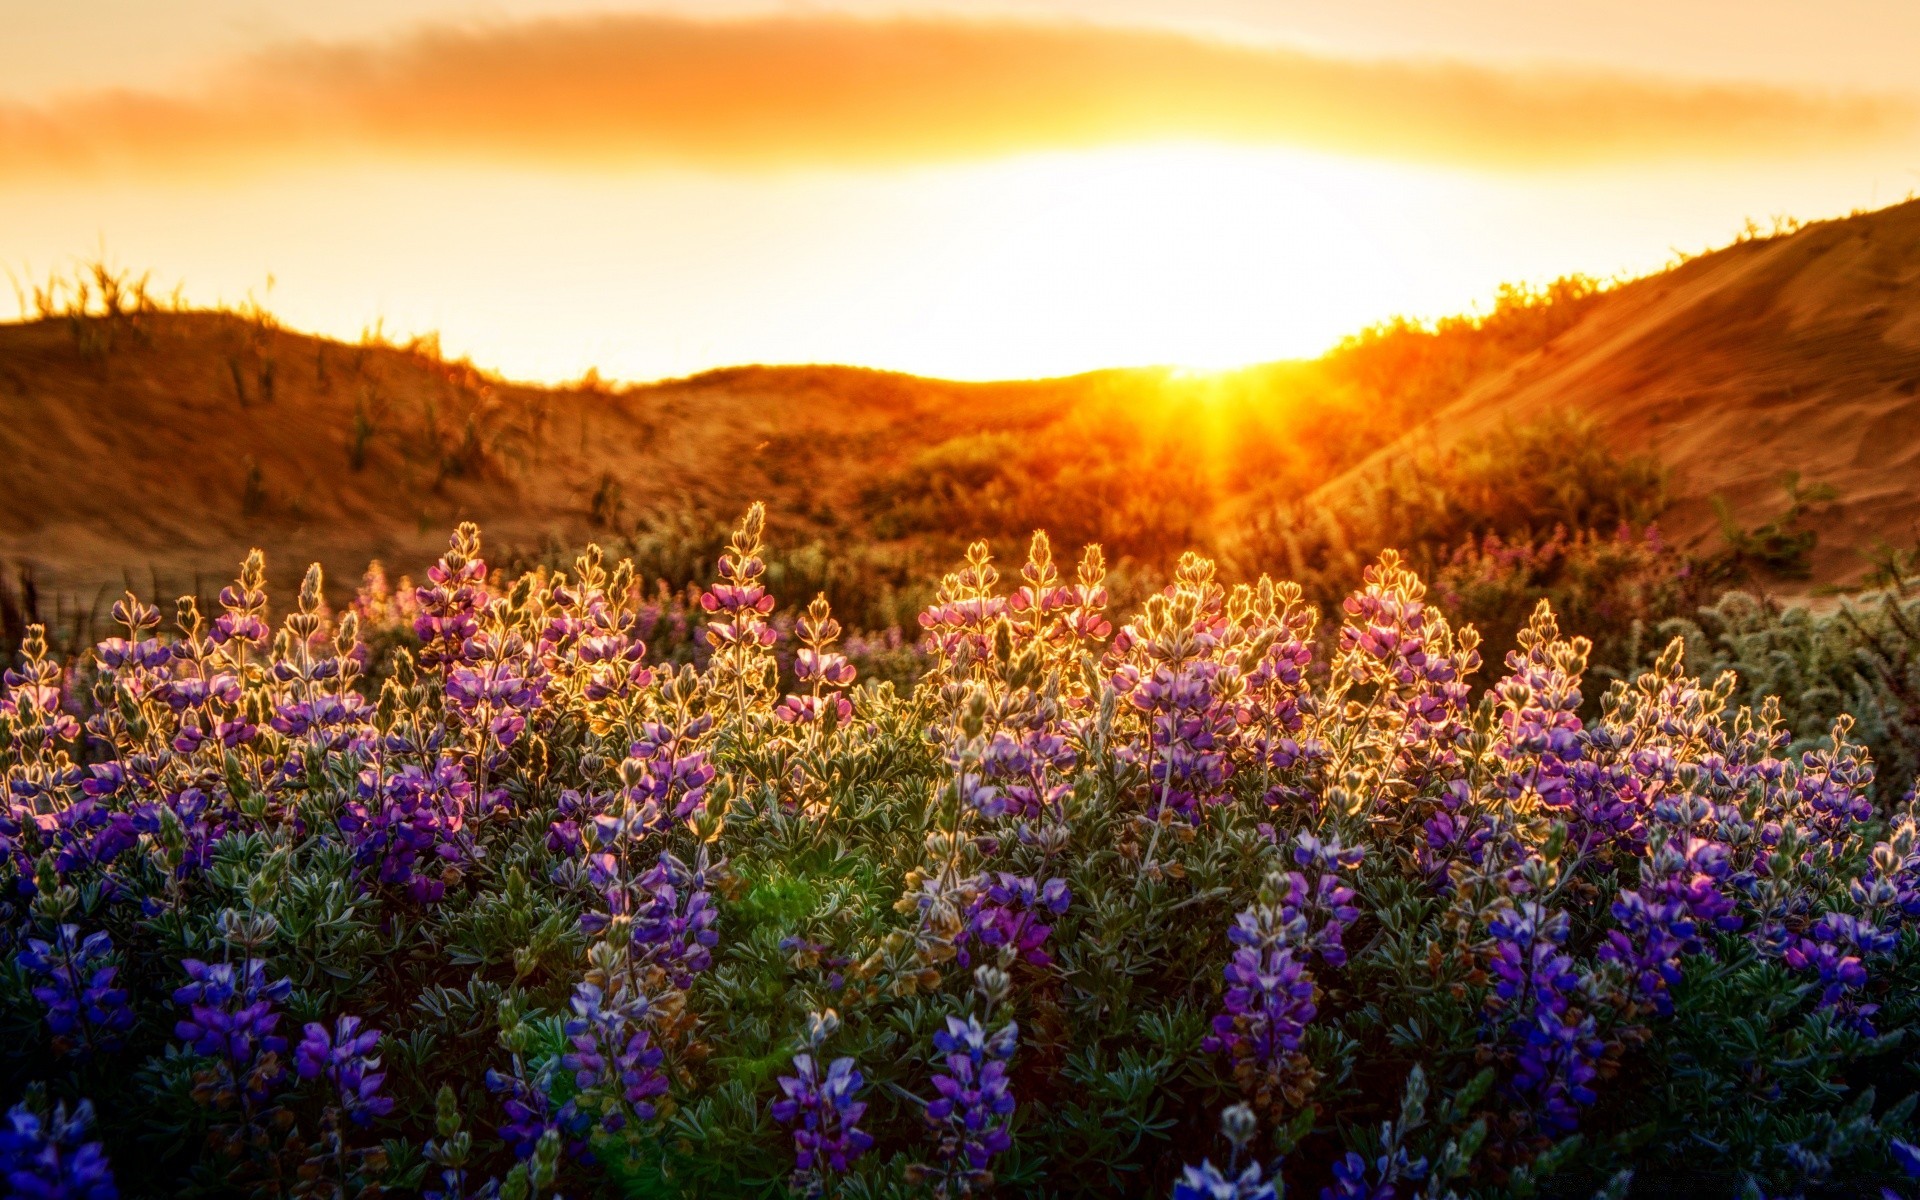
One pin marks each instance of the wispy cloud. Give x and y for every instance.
(769, 93)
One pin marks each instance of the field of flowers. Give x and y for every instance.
(467, 891)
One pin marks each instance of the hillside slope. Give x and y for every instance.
(159, 461)
(152, 450)
(1798, 353)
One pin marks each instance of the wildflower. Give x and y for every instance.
(1008, 911)
(450, 604)
(411, 826)
(613, 1061)
(823, 671)
(231, 1019)
(1667, 917)
(973, 1103)
(737, 607)
(674, 923)
(528, 1109)
(824, 1114)
(1270, 998)
(1208, 1182)
(42, 1157)
(1907, 1155)
(346, 1058)
(1832, 950)
(1537, 995)
(85, 1011)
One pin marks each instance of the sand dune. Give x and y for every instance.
(1798, 353)
(159, 458)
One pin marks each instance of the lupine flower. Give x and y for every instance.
(1350, 1182)
(818, 668)
(1832, 950)
(1907, 1155)
(614, 1063)
(1539, 1005)
(231, 1018)
(85, 1011)
(960, 624)
(672, 766)
(528, 1109)
(737, 607)
(1270, 998)
(1667, 917)
(822, 1111)
(450, 604)
(973, 1101)
(43, 1157)
(1008, 911)
(674, 923)
(346, 1058)
(1208, 1182)
(410, 825)
(1319, 897)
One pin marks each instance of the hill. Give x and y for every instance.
(152, 448)
(1790, 354)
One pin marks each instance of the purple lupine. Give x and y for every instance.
(47, 1158)
(1190, 726)
(737, 605)
(1833, 783)
(1668, 916)
(973, 1102)
(346, 1058)
(1906, 1155)
(1270, 997)
(670, 767)
(1350, 1181)
(1833, 949)
(1319, 896)
(451, 603)
(822, 671)
(1278, 698)
(410, 825)
(85, 1011)
(1536, 995)
(231, 1019)
(1208, 1182)
(1009, 911)
(824, 1114)
(1392, 641)
(528, 1108)
(495, 690)
(960, 623)
(613, 1061)
(1015, 771)
(1184, 668)
(674, 916)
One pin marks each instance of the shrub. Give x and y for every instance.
(515, 904)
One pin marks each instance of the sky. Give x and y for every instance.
(983, 190)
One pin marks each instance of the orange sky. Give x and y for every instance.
(999, 189)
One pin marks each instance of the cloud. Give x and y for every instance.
(617, 92)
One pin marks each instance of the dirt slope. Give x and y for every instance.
(154, 450)
(160, 460)
(1795, 353)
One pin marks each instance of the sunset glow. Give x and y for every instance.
(651, 196)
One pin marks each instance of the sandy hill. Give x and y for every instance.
(159, 459)
(1796, 353)
(154, 449)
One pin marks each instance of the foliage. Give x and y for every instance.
(470, 890)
